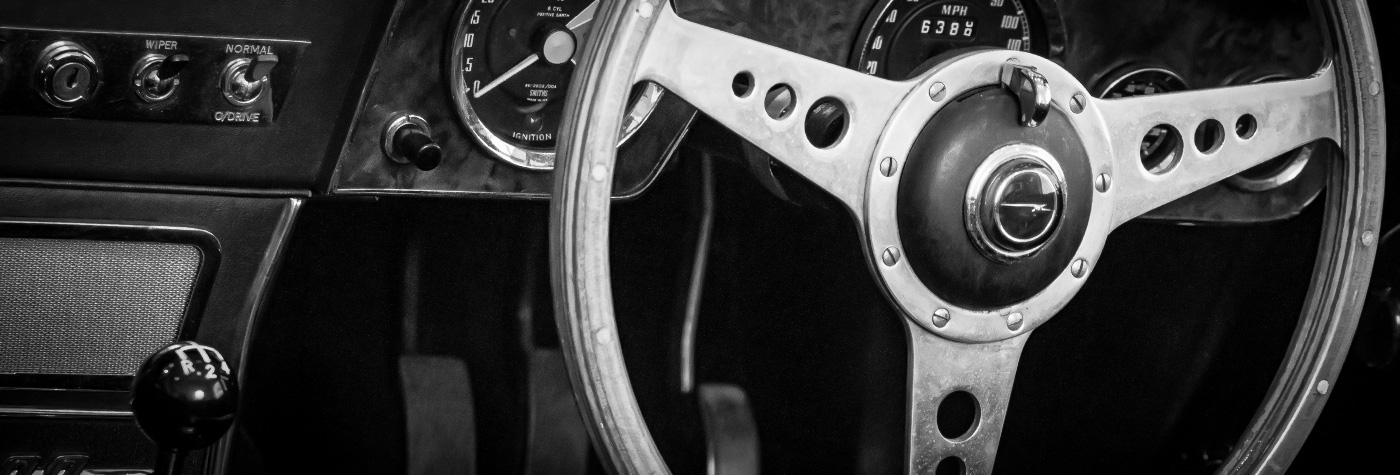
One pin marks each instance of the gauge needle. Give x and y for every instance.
(580, 21)
(583, 17)
(514, 69)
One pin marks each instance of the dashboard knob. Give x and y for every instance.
(184, 398)
(407, 139)
(415, 145)
(66, 75)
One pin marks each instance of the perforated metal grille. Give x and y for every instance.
(71, 306)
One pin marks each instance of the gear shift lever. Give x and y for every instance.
(184, 398)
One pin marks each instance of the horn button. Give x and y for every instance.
(989, 211)
(1013, 202)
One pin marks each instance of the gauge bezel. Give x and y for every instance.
(1117, 78)
(529, 158)
(1049, 41)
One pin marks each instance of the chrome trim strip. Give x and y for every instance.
(216, 457)
(63, 413)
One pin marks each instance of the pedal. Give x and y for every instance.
(438, 411)
(731, 437)
(558, 439)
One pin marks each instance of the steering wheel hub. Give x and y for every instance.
(989, 211)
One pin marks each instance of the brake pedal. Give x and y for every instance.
(731, 437)
(437, 402)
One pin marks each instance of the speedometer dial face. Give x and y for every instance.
(902, 34)
(508, 69)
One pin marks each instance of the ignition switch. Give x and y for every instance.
(67, 75)
(156, 76)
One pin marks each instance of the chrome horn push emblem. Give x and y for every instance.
(1014, 202)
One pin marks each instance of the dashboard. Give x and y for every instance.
(462, 98)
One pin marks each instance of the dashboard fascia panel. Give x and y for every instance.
(296, 152)
(407, 77)
(197, 99)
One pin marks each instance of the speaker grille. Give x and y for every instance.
(90, 307)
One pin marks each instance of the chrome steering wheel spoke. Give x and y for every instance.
(946, 380)
(1250, 123)
(731, 78)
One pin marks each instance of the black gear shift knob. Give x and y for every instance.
(185, 397)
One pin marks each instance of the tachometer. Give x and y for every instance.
(509, 67)
(900, 35)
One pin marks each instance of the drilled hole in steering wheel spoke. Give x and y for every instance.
(1209, 136)
(742, 84)
(957, 414)
(826, 122)
(779, 101)
(1161, 149)
(1245, 127)
(951, 466)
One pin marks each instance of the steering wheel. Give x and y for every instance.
(982, 213)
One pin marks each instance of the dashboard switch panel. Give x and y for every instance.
(122, 76)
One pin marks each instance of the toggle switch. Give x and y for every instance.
(156, 76)
(244, 79)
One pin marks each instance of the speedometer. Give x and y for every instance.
(901, 35)
(508, 70)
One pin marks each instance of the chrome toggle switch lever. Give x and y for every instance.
(1032, 91)
(184, 397)
(245, 79)
(156, 76)
(260, 67)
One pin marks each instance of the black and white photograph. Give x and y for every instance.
(699, 237)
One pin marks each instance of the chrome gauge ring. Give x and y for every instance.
(900, 35)
(508, 71)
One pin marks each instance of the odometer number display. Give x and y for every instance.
(902, 34)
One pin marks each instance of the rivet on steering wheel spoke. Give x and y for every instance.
(887, 166)
(1014, 321)
(937, 91)
(645, 9)
(890, 256)
(1078, 267)
(941, 317)
(1367, 238)
(1102, 182)
(1322, 387)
